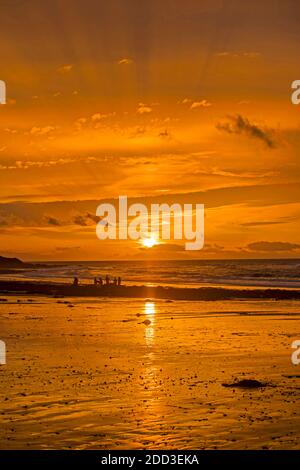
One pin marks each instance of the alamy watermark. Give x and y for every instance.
(135, 222)
(2, 92)
(295, 97)
(2, 101)
(295, 358)
(2, 353)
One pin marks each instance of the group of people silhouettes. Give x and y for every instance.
(116, 281)
(98, 281)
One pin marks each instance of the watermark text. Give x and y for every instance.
(2, 92)
(295, 97)
(2, 353)
(162, 222)
(295, 358)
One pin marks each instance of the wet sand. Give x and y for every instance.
(133, 374)
(157, 292)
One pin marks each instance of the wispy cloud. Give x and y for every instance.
(249, 54)
(283, 220)
(26, 164)
(164, 248)
(165, 135)
(241, 125)
(65, 68)
(273, 246)
(83, 220)
(201, 104)
(143, 109)
(125, 61)
(98, 116)
(41, 130)
(52, 221)
(194, 104)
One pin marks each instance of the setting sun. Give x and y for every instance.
(149, 242)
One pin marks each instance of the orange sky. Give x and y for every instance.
(162, 101)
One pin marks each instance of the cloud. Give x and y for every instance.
(99, 117)
(9, 219)
(41, 130)
(10, 131)
(284, 220)
(80, 122)
(96, 117)
(165, 135)
(164, 248)
(86, 219)
(273, 246)
(241, 125)
(195, 104)
(125, 61)
(65, 68)
(32, 213)
(200, 104)
(26, 164)
(143, 109)
(92, 122)
(92, 217)
(138, 132)
(184, 101)
(67, 248)
(80, 220)
(251, 55)
(52, 221)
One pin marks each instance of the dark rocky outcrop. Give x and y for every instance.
(10, 262)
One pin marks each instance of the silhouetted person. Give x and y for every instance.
(75, 281)
(100, 281)
(95, 281)
(119, 281)
(107, 280)
(115, 281)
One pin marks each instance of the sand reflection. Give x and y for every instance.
(150, 312)
(150, 308)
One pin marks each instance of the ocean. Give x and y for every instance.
(283, 273)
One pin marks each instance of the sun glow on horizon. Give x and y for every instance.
(149, 242)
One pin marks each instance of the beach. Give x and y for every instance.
(142, 373)
(149, 230)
